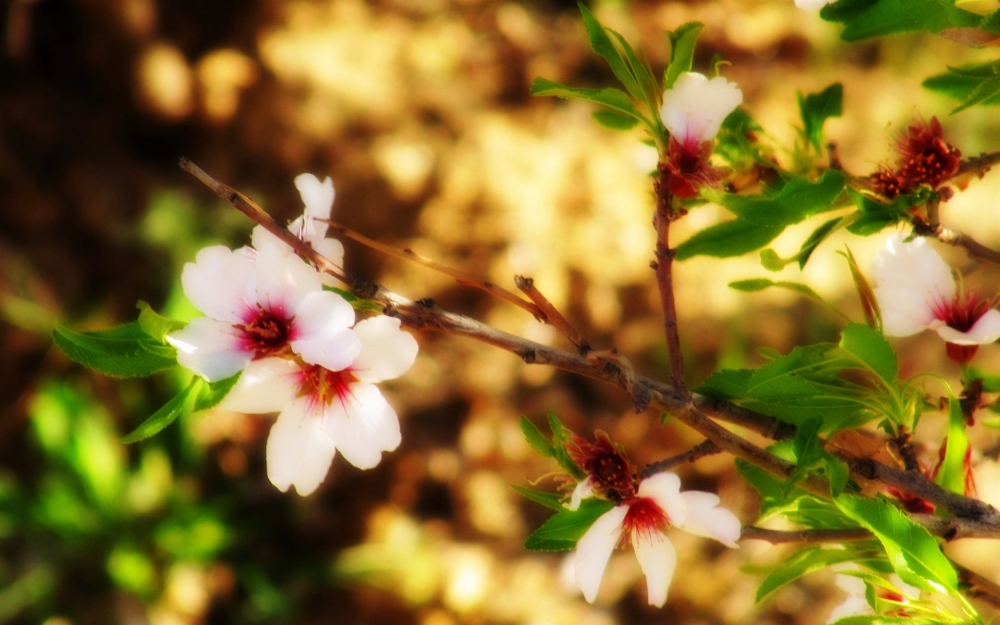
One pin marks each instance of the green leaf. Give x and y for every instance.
(887, 17)
(951, 474)
(795, 201)
(730, 238)
(960, 82)
(816, 108)
(562, 530)
(759, 284)
(549, 500)
(774, 496)
(615, 121)
(869, 347)
(162, 417)
(212, 393)
(726, 384)
(640, 70)
(986, 90)
(682, 44)
(601, 44)
(913, 552)
(560, 436)
(845, 10)
(124, 351)
(536, 440)
(156, 325)
(801, 563)
(818, 236)
(811, 457)
(612, 98)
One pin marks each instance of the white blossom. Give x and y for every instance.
(658, 504)
(856, 602)
(812, 5)
(916, 290)
(256, 306)
(325, 410)
(694, 108)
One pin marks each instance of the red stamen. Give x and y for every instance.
(610, 473)
(268, 333)
(644, 517)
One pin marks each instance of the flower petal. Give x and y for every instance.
(985, 330)
(693, 109)
(706, 518)
(299, 451)
(210, 348)
(903, 312)
(283, 280)
(658, 560)
(322, 334)
(812, 5)
(386, 351)
(594, 548)
(221, 283)
(266, 385)
(318, 199)
(364, 425)
(584, 490)
(914, 266)
(665, 489)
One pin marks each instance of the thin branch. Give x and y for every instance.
(551, 314)
(979, 519)
(980, 587)
(699, 451)
(665, 280)
(978, 164)
(973, 247)
(778, 537)
(461, 277)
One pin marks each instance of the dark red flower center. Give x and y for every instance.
(268, 333)
(644, 517)
(610, 473)
(687, 167)
(924, 158)
(323, 386)
(963, 311)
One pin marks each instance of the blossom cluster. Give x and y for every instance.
(297, 348)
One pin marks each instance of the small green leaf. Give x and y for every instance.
(869, 303)
(887, 17)
(730, 238)
(913, 552)
(612, 98)
(960, 82)
(560, 436)
(816, 108)
(759, 284)
(549, 500)
(124, 351)
(212, 393)
(770, 260)
(986, 90)
(640, 69)
(601, 44)
(162, 417)
(615, 121)
(156, 325)
(845, 10)
(871, 349)
(818, 236)
(562, 531)
(795, 201)
(682, 44)
(951, 474)
(801, 563)
(726, 384)
(536, 440)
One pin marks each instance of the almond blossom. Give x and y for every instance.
(323, 409)
(693, 111)
(260, 305)
(856, 602)
(657, 505)
(916, 290)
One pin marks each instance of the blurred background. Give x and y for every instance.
(419, 110)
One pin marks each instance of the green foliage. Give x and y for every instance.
(759, 284)
(615, 121)
(156, 325)
(801, 563)
(815, 109)
(951, 474)
(560, 436)
(871, 351)
(913, 552)
(124, 351)
(810, 457)
(682, 43)
(536, 440)
(615, 99)
(164, 416)
(211, 393)
(970, 85)
(562, 530)
(873, 216)
(761, 218)
(864, 19)
(549, 500)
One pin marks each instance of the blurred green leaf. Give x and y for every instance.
(887, 17)
(816, 108)
(536, 440)
(796, 200)
(914, 554)
(642, 73)
(612, 98)
(211, 393)
(560, 436)
(818, 236)
(730, 238)
(759, 284)
(155, 324)
(682, 44)
(799, 564)
(124, 351)
(726, 384)
(951, 473)
(871, 349)
(562, 530)
(549, 500)
(615, 121)
(132, 571)
(162, 417)
(601, 44)
(961, 82)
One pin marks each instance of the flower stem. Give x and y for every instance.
(665, 213)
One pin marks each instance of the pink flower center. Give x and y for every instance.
(644, 517)
(268, 332)
(962, 312)
(323, 386)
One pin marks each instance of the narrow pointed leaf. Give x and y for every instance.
(601, 44)
(682, 44)
(536, 440)
(162, 417)
(212, 393)
(562, 531)
(549, 500)
(124, 351)
(612, 98)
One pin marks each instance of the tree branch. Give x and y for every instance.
(705, 448)
(665, 280)
(778, 537)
